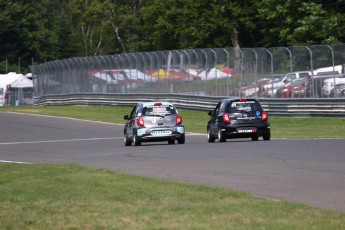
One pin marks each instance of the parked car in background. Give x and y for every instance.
(296, 88)
(328, 84)
(253, 89)
(153, 121)
(269, 89)
(238, 118)
(247, 91)
(338, 91)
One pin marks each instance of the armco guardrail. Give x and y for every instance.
(299, 107)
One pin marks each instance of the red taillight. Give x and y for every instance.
(140, 122)
(264, 116)
(226, 118)
(178, 120)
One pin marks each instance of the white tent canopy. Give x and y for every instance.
(213, 73)
(22, 82)
(20, 85)
(116, 76)
(15, 80)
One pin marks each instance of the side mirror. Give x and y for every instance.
(126, 117)
(210, 113)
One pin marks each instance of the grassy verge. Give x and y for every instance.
(76, 197)
(196, 121)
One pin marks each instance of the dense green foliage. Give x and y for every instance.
(42, 30)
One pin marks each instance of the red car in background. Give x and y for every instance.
(296, 88)
(253, 89)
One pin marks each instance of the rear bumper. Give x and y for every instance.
(246, 131)
(160, 134)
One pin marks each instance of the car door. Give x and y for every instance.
(131, 121)
(214, 119)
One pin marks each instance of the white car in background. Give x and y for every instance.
(270, 89)
(329, 84)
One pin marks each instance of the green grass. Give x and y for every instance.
(96, 113)
(307, 127)
(76, 197)
(196, 121)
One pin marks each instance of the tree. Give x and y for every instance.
(299, 22)
(181, 24)
(28, 31)
(105, 27)
(125, 24)
(57, 29)
(320, 25)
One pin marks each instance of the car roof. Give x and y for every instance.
(239, 98)
(231, 99)
(164, 103)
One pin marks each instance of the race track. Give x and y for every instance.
(304, 171)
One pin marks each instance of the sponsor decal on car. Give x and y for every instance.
(141, 132)
(159, 110)
(180, 130)
(258, 114)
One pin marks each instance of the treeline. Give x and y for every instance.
(36, 31)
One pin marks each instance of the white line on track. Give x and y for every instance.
(71, 140)
(69, 118)
(55, 141)
(15, 162)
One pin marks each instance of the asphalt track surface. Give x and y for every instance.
(304, 171)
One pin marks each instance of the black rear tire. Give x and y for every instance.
(127, 141)
(266, 136)
(171, 142)
(136, 140)
(255, 137)
(181, 140)
(210, 138)
(221, 135)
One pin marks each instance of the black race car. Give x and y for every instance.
(154, 121)
(238, 118)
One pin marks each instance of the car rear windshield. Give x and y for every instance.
(158, 110)
(246, 106)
